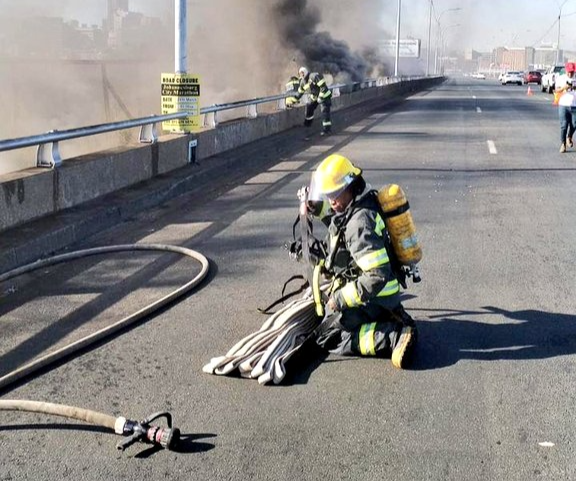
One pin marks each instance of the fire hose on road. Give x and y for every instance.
(262, 354)
(132, 431)
(137, 431)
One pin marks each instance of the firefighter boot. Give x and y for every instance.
(404, 347)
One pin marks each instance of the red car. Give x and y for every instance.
(532, 77)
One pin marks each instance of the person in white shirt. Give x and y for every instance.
(566, 106)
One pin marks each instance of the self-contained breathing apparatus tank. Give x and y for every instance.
(401, 229)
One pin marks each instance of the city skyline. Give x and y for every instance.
(489, 24)
(465, 24)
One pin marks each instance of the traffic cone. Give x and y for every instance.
(529, 91)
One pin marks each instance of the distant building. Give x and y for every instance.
(130, 31)
(117, 11)
(83, 41)
(516, 58)
(114, 7)
(545, 56)
(470, 54)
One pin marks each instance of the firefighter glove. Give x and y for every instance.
(291, 101)
(331, 304)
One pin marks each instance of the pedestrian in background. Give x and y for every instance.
(566, 106)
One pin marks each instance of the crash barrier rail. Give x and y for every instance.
(85, 180)
(48, 154)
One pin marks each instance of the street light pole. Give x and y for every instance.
(438, 35)
(443, 49)
(180, 55)
(429, 34)
(558, 42)
(397, 56)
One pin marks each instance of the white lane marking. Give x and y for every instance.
(492, 147)
(479, 110)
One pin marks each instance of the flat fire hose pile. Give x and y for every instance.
(262, 354)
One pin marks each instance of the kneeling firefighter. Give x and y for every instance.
(361, 290)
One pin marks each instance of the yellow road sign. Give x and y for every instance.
(181, 93)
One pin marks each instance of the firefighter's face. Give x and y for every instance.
(340, 203)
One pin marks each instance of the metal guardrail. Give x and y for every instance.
(48, 154)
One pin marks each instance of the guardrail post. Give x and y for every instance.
(192, 144)
(148, 133)
(252, 111)
(48, 154)
(210, 120)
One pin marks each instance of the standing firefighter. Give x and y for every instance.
(361, 291)
(314, 84)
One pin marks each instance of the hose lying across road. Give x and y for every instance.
(133, 431)
(92, 417)
(260, 355)
(52, 357)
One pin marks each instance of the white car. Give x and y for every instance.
(512, 78)
(548, 82)
(479, 75)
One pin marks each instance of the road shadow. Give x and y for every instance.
(304, 362)
(520, 335)
(54, 426)
(44, 342)
(188, 444)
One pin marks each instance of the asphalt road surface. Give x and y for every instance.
(490, 395)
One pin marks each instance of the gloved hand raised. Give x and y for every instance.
(291, 101)
(313, 207)
(331, 304)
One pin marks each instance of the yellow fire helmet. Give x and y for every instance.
(332, 176)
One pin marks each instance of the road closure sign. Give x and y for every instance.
(181, 93)
(409, 48)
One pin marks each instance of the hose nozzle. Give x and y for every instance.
(135, 431)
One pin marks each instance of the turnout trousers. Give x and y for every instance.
(325, 111)
(370, 330)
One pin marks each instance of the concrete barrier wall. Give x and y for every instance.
(34, 193)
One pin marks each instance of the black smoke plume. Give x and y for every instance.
(298, 23)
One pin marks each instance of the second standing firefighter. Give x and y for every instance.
(315, 86)
(364, 313)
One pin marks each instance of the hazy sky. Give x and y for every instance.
(483, 24)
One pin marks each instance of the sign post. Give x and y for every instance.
(181, 91)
